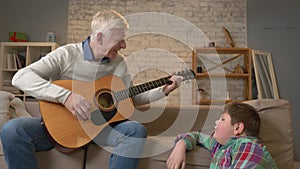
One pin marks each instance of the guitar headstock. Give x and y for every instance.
(186, 73)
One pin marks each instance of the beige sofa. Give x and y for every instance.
(276, 133)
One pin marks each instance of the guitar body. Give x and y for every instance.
(70, 132)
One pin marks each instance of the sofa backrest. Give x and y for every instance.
(172, 120)
(276, 129)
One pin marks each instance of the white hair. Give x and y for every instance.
(106, 20)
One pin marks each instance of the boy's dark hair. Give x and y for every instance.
(242, 112)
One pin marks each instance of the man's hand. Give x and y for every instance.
(177, 158)
(78, 106)
(176, 82)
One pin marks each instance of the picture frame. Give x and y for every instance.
(264, 75)
(228, 37)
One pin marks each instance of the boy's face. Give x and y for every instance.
(223, 129)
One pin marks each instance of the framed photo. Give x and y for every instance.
(264, 75)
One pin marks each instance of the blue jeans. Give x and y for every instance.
(22, 137)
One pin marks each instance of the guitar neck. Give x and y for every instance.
(135, 90)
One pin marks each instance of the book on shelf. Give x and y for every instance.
(15, 61)
(21, 60)
(11, 61)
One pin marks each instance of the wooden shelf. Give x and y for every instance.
(222, 75)
(9, 70)
(16, 55)
(222, 50)
(217, 63)
(215, 102)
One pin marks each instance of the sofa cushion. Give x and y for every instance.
(276, 129)
(54, 159)
(197, 159)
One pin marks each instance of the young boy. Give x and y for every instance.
(233, 144)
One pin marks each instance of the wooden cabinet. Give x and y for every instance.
(222, 75)
(16, 55)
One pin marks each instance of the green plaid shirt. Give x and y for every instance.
(242, 152)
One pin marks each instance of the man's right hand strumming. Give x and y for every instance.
(78, 106)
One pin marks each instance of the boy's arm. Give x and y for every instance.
(183, 142)
(192, 139)
(177, 158)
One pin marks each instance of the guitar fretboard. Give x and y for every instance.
(135, 90)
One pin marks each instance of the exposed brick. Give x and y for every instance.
(209, 16)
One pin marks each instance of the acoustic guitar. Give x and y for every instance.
(111, 102)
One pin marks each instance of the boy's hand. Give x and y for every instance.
(177, 158)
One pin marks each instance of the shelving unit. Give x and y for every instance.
(16, 55)
(230, 66)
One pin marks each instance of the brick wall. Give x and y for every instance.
(164, 32)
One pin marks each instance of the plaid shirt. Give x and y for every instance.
(242, 152)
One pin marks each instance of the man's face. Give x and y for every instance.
(223, 129)
(112, 43)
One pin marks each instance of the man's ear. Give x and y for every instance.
(239, 128)
(99, 38)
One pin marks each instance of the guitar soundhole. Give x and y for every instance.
(106, 107)
(104, 100)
